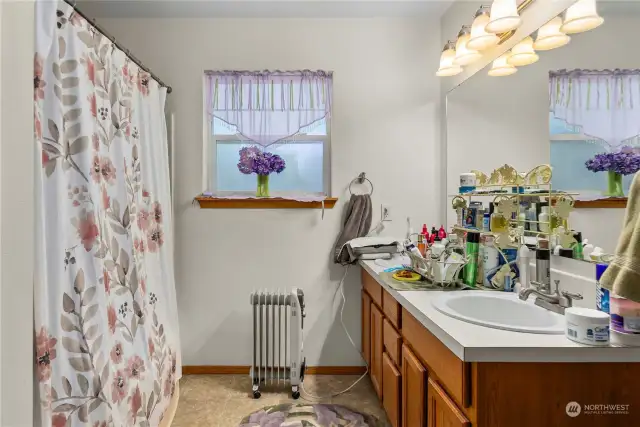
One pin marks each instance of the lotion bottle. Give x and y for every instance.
(545, 220)
(524, 255)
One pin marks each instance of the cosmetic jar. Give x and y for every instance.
(467, 182)
(587, 326)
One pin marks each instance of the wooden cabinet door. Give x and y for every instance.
(376, 349)
(442, 411)
(391, 390)
(414, 399)
(366, 327)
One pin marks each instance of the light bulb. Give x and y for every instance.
(550, 36)
(504, 17)
(523, 53)
(480, 39)
(582, 16)
(447, 68)
(464, 55)
(501, 67)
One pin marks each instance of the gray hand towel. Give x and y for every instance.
(357, 221)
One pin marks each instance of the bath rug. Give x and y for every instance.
(301, 415)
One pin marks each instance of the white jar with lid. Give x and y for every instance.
(587, 326)
(467, 182)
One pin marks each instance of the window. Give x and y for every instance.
(282, 113)
(307, 157)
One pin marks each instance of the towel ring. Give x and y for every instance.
(360, 180)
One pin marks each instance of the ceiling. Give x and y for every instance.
(263, 8)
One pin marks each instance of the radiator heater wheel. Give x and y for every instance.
(295, 393)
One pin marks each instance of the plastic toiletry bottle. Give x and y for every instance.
(409, 229)
(437, 248)
(499, 223)
(533, 217)
(545, 219)
(434, 234)
(602, 294)
(481, 248)
(471, 269)
(543, 267)
(490, 259)
(410, 247)
(425, 233)
(524, 254)
(422, 246)
(522, 219)
(577, 248)
(486, 221)
(442, 233)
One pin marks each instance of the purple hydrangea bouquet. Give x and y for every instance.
(254, 160)
(624, 162)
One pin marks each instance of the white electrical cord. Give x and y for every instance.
(344, 302)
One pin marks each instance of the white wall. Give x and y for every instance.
(384, 123)
(16, 214)
(492, 121)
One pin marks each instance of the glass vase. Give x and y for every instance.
(263, 186)
(614, 184)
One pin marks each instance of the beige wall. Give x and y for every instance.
(384, 123)
(16, 214)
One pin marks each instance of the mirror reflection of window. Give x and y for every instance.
(570, 150)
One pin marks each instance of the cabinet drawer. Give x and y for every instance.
(442, 412)
(392, 341)
(372, 287)
(452, 373)
(391, 309)
(391, 390)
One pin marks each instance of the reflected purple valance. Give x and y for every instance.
(268, 106)
(604, 104)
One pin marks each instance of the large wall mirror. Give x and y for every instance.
(575, 108)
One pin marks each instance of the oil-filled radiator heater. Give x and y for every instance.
(278, 319)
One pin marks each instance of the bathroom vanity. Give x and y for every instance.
(432, 370)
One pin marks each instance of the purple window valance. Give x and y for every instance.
(268, 106)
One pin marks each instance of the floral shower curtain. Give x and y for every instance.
(106, 338)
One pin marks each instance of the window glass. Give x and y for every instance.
(303, 172)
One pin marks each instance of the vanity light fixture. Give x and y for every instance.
(464, 55)
(504, 16)
(447, 67)
(550, 36)
(582, 16)
(523, 53)
(480, 39)
(501, 66)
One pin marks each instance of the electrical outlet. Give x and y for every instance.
(385, 212)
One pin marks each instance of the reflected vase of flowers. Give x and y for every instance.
(624, 162)
(262, 163)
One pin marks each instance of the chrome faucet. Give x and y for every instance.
(556, 301)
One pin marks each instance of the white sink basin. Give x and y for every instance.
(500, 311)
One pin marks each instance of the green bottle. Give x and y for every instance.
(471, 269)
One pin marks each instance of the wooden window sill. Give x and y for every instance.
(610, 202)
(267, 203)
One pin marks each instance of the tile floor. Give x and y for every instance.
(223, 400)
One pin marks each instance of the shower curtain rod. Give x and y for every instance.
(127, 52)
